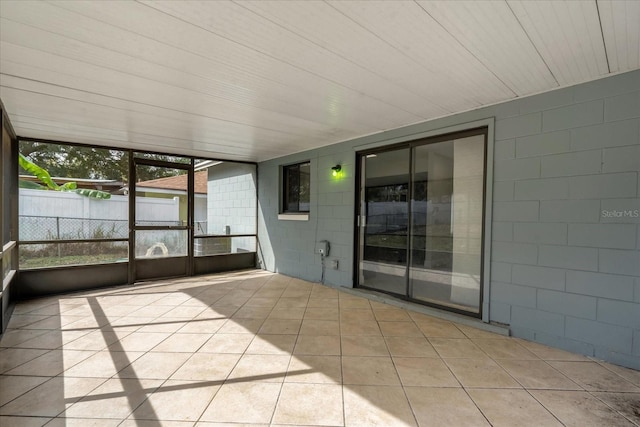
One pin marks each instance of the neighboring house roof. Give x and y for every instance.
(178, 182)
(109, 185)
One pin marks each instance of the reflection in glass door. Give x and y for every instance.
(421, 221)
(446, 208)
(384, 220)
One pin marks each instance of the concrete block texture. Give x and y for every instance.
(505, 149)
(615, 134)
(570, 211)
(554, 340)
(620, 211)
(546, 101)
(513, 127)
(543, 144)
(541, 189)
(605, 186)
(539, 277)
(573, 116)
(515, 211)
(621, 159)
(507, 109)
(619, 262)
(537, 320)
(500, 312)
(567, 304)
(616, 236)
(621, 313)
(509, 170)
(617, 338)
(569, 257)
(502, 231)
(537, 232)
(507, 293)
(623, 106)
(617, 358)
(517, 253)
(572, 164)
(503, 191)
(501, 272)
(608, 87)
(611, 286)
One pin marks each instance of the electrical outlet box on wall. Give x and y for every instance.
(322, 248)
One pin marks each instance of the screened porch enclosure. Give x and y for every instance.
(130, 215)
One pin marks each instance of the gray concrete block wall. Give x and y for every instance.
(287, 246)
(566, 215)
(580, 210)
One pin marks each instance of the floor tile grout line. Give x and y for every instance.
(96, 308)
(32, 388)
(592, 394)
(404, 390)
(608, 368)
(544, 406)
(486, 417)
(468, 337)
(341, 351)
(173, 373)
(235, 365)
(275, 407)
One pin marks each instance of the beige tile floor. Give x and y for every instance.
(254, 348)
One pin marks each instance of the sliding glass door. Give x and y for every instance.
(384, 220)
(421, 220)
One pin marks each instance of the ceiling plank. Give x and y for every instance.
(621, 31)
(407, 27)
(191, 33)
(325, 27)
(256, 34)
(567, 35)
(254, 80)
(62, 108)
(490, 32)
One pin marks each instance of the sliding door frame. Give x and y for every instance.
(484, 128)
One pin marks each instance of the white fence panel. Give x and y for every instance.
(48, 215)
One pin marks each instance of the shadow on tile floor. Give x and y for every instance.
(258, 348)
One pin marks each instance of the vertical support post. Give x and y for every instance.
(58, 236)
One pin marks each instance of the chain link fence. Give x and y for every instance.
(35, 228)
(39, 228)
(55, 241)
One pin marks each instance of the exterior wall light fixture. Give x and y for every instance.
(335, 171)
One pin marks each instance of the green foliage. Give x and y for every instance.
(94, 194)
(45, 178)
(58, 254)
(37, 171)
(89, 162)
(31, 185)
(76, 161)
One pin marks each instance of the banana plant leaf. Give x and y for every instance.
(36, 170)
(68, 186)
(45, 178)
(31, 185)
(94, 194)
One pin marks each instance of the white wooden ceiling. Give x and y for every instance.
(254, 80)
